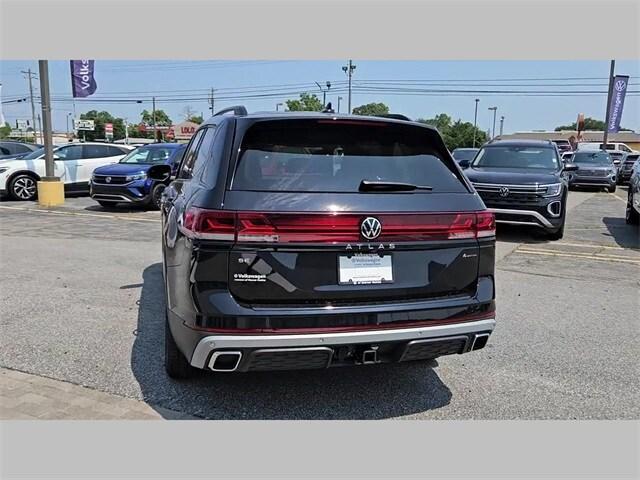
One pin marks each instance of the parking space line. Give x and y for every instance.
(602, 258)
(80, 214)
(619, 198)
(581, 254)
(591, 245)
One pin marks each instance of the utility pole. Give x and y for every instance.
(50, 188)
(475, 122)
(349, 71)
(501, 124)
(30, 75)
(212, 101)
(605, 137)
(153, 117)
(495, 110)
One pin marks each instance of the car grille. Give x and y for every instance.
(517, 194)
(113, 179)
(591, 173)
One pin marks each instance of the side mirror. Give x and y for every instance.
(570, 167)
(159, 172)
(464, 163)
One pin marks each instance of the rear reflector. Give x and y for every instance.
(334, 228)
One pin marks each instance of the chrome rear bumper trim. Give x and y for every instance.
(531, 213)
(217, 342)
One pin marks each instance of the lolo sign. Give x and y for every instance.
(184, 130)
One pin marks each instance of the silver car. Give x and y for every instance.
(595, 169)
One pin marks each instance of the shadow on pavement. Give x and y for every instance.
(519, 234)
(368, 392)
(626, 236)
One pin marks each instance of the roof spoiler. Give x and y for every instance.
(396, 116)
(238, 110)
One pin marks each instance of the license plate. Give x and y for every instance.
(363, 269)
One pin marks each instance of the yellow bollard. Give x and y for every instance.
(50, 193)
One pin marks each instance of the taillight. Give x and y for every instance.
(485, 224)
(210, 224)
(334, 228)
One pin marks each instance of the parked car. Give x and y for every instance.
(127, 181)
(73, 164)
(563, 145)
(632, 214)
(566, 157)
(522, 182)
(460, 154)
(12, 149)
(595, 169)
(626, 167)
(617, 150)
(312, 240)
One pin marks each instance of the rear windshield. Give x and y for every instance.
(543, 158)
(337, 155)
(464, 154)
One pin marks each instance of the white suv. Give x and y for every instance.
(617, 150)
(73, 164)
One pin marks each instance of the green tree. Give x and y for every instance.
(306, 103)
(161, 118)
(5, 130)
(99, 120)
(195, 119)
(589, 124)
(458, 134)
(371, 109)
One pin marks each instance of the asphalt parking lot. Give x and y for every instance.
(82, 302)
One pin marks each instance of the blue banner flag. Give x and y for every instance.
(620, 83)
(83, 82)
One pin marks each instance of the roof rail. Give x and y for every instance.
(238, 110)
(396, 116)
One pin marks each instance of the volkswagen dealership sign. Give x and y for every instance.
(620, 83)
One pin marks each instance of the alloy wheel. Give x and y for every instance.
(24, 188)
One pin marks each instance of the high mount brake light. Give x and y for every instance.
(333, 228)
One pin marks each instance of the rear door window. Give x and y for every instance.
(336, 156)
(186, 168)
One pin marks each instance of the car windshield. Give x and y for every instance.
(148, 155)
(336, 156)
(593, 158)
(542, 158)
(464, 154)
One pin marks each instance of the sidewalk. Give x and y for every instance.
(30, 397)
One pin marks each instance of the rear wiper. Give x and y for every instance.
(382, 186)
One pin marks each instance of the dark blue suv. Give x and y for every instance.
(127, 181)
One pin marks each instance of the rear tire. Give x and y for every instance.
(632, 217)
(175, 364)
(23, 187)
(156, 196)
(611, 189)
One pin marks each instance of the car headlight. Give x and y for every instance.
(139, 176)
(553, 190)
(611, 171)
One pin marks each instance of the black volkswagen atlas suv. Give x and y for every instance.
(523, 183)
(313, 240)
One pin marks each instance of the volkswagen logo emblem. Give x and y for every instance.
(620, 85)
(504, 192)
(108, 179)
(370, 228)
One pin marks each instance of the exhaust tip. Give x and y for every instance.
(225, 361)
(479, 341)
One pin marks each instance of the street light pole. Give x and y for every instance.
(475, 122)
(501, 124)
(278, 105)
(153, 117)
(339, 98)
(605, 136)
(30, 75)
(349, 71)
(495, 110)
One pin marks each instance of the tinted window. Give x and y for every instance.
(335, 156)
(544, 158)
(593, 158)
(4, 151)
(96, 151)
(148, 155)
(72, 152)
(178, 154)
(203, 155)
(464, 153)
(17, 148)
(115, 151)
(186, 170)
